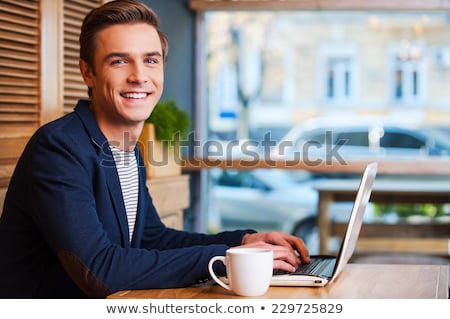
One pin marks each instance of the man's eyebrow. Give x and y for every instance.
(124, 55)
(154, 53)
(116, 55)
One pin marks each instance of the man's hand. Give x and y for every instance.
(289, 251)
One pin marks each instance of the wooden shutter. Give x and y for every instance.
(74, 87)
(19, 68)
(23, 102)
(19, 81)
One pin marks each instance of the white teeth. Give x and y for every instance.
(134, 95)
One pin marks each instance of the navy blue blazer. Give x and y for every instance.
(64, 231)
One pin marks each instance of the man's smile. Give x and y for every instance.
(134, 95)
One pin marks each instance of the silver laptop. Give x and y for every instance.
(323, 269)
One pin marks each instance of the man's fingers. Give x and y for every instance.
(282, 265)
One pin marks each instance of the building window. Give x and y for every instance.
(337, 66)
(338, 79)
(408, 76)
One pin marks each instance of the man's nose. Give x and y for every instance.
(137, 74)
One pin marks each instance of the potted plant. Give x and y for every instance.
(159, 140)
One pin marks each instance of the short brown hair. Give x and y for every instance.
(113, 13)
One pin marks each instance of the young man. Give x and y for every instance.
(78, 220)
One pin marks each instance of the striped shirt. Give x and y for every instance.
(129, 182)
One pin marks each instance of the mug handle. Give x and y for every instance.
(213, 275)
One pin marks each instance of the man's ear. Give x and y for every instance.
(87, 73)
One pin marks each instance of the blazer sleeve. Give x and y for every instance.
(157, 236)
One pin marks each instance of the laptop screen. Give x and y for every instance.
(356, 217)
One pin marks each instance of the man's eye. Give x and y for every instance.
(151, 61)
(116, 62)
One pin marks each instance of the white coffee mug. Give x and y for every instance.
(249, 270)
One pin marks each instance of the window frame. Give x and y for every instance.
(204, 5)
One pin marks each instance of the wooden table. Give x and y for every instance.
(356, 281)
(387, 191)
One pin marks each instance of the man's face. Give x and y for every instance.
(129, 73)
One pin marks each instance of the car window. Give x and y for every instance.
(401, 140)
(314, 136)
(357, 138)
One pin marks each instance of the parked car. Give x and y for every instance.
(348, 138)
(269, 199)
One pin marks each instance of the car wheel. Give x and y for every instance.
(308, 231)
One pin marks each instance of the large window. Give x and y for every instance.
(272, 73)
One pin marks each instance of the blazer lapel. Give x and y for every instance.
(109, 166)
(141, 213)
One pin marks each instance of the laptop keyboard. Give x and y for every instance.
(317, 266)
